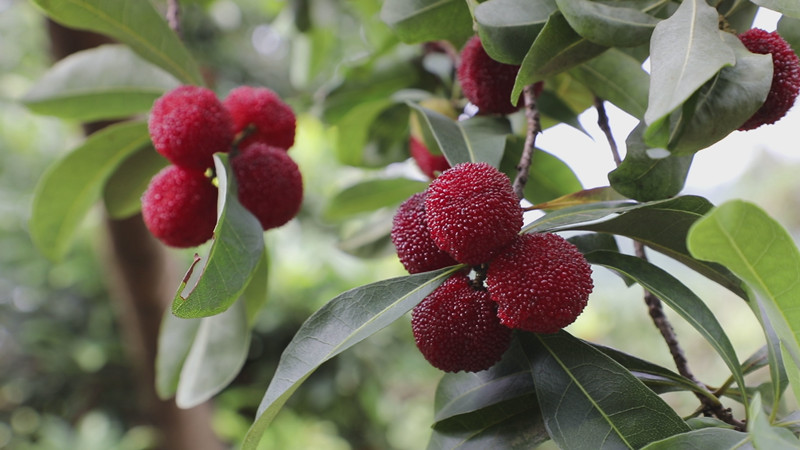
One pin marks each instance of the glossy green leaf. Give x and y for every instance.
(763, 434)
(228, 266)
(133, 22)
(370, 195)
(686, 50)
(548, 178)
(69, 188)
(175, 339)
(343, 322)
(508, 27)
(123, 191)
(789, 29)
(590, 401)
(680, 298)
(417, 21)
(617, 77)
(218, 352)
(566, 217)
(788, 7)
(705, 439)
(105, 82)
(553, 110)
(612, 26)
(557, 48)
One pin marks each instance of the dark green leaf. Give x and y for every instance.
(788, 7)
(341, 323)
(704, 439)
(554, 110)
(548, 178)
(612, 26)
(106, 82)
(741, 14)
(789, 29)
(564, 218)
(123, 191)
(70, 187)
(594, 241)
(133, 22)
(417, 21)
(230, 262)
(590, 401)
(370, 195)
(508, 27)
(617, 77)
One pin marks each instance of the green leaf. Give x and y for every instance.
(133, 22)
(566, 217)
(590, 401)
(548, 177)
(123, 191)
(705, 438)
(417, 21)
(554, 110)
(789, 29)
(557, 48)
(255, 295)
(370, 195)
(763, 434)
(353, 130)
(218, 352)
(611, 26)
(70, 187)
(680, 298)
(787, 7)
(507, 28)
(106, 82)
(617, 77)
(175, 339)
(686, 50)
(582, 197)
(230, 262)
(343, 322)
(370, 238)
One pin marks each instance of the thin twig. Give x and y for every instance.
(174, 16)
(534, 128)
(602, 122)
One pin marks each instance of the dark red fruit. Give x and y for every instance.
(274, 120)
(485, 82)
(188, 125)
(785, 76)
(429, 163)
(541, 283)
(270, 184)
(415, 248)
(179, 207)
(472, 212)
(456, 328)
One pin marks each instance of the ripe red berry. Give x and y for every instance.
(541, 283)
(269, 182)
(485, 82)
(785, 76)
(429, 163)
(273, 119)
(472, 212)
(456, 328)
(179, 207)
(415, 248)
(188, 125)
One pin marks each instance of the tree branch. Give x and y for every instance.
(534, 128)
(602, 122)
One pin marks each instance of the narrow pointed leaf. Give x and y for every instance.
(788, 7)
(343, 322)
(566, 217)
(428, 20)
(70, 187)
(766, 436)
(582, 197)
(133, 22)
(123, 191)
(508, 27)
(233, 256)
(612, 26)
(706, 439)
(617, 77)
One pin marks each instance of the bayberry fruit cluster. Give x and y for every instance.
(187, 126)
(534, 282)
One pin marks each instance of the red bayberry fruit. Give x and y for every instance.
(472, 212)
(541, 283)
(785, 76)
(456, 327)
(188, 125)
(429, 163)
(273, 119)
(270, 184)
(179, 207)
(485, 82)
(410, 236)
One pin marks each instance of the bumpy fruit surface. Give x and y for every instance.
(430, 164)
(179, 207)
(485, 82)
(270, 184)
(274, 120)
(472, 212)
(456, 328)
(785, 76)
(412, 240)
(541, 283)
(188, 125)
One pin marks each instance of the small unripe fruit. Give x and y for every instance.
(485, 82)
(179, 207)
(430, 164)
(541, 283)
(269, 182)
(785, 76)
(188, 125)
(472, 212)
(410, 236)
(456, 327)
(273, 120)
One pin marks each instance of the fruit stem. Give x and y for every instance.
(534, 128)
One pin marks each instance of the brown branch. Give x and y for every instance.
(602, 122)
(534, 128)
(174, 16)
